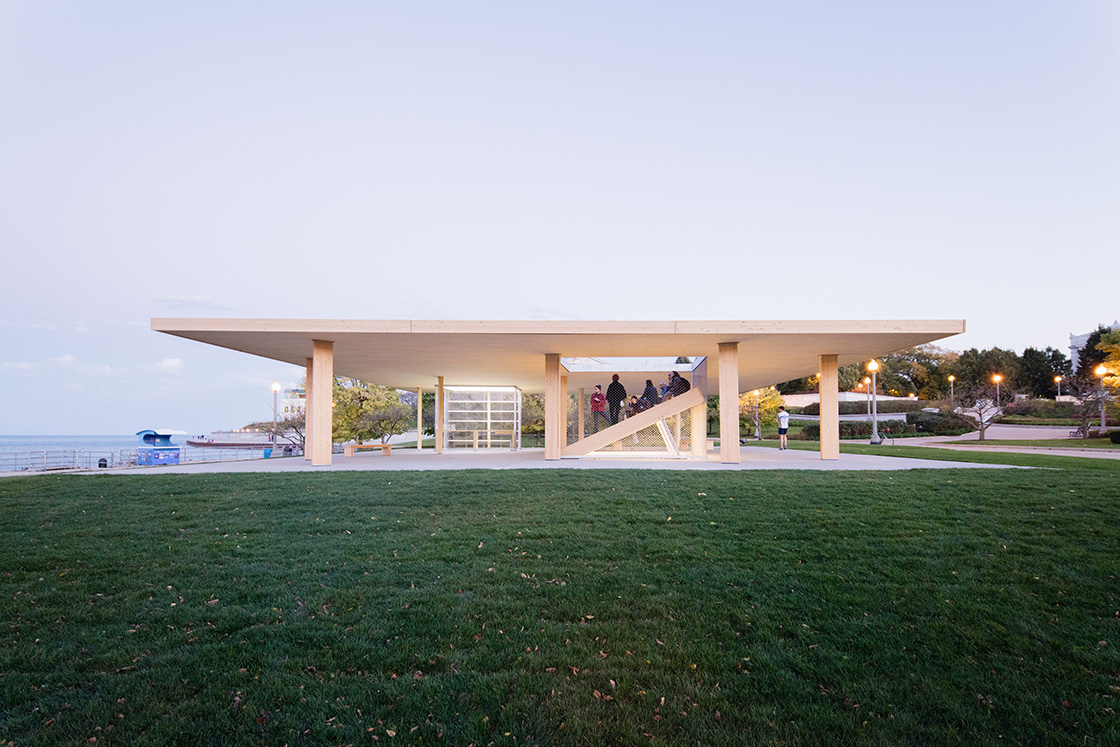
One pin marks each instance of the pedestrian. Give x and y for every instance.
(650, 395)
(598, 408)
(783, 428)
(616, 395)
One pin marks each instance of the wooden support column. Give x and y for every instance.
(308, 420)
(700, 430)
(322, 393)
(729, 403)
(579, 417)
(552, 409)
(419, 418)
(439, 415)
(830, 407)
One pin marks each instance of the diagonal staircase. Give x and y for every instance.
(654, 416)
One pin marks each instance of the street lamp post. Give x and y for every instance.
(873, 367)
(952, 398)
(1058, 381)
(757, 416)
(275, 392)
(867, 383)
(997, 379)
(1100, 372)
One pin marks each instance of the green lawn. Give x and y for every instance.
(564, 607)
(1055, 443)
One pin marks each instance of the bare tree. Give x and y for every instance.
(978, 401)
(1089, 398)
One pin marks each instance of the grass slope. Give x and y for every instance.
(562, 607)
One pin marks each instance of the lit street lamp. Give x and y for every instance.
(952, 403)
(997, 379)
(1100, 372)
(1058, 381)
(275, 392)
(867, 383)
(873, 367)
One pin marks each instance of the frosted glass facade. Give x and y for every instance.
(482, 417)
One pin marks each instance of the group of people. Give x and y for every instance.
(608, 407)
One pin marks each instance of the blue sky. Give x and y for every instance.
(802, 160)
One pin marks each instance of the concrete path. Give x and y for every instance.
(1023, 433)
(753, 458)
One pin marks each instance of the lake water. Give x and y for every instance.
(36, 453)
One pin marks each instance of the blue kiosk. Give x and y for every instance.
(156, 447)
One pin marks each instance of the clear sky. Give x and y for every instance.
(513, 160)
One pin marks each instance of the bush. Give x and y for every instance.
(1114, 437)
(859, 408)
(939, 423)
(1042, 408)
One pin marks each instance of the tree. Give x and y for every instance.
(974, 367)
(1037, 369)
(979, 401)
(1090, 398)
(922, 370)
(1092, 355)
(1110, 346)
(760, 407)
(367, 412)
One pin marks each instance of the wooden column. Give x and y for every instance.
(552, 409)
(308, 420)
(419, 418)
(729, 403)
(579, 417)
(830, 407)
(322, 393)
(700, 412)
(439, 415)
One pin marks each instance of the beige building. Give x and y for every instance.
(717, 357)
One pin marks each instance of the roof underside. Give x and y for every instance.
(411, 354)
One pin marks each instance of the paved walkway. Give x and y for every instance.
(753, 458)
(1023, 433)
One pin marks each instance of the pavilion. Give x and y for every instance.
(423, 354)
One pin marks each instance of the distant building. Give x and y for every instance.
(293, 403)
(1077, 344)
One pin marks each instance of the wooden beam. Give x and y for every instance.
(440, 405)
(419, 418)
(830, 407)
(322, 393)
(729, 403)
(552, 410)
(308, 420)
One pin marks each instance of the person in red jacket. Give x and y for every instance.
(598, 408)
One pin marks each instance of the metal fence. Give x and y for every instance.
(63, 459)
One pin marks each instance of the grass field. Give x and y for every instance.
(564, 607)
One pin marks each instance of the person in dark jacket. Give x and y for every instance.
(677, 385)
(616, 395)
(650, 395)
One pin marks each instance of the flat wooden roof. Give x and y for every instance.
(407, 354)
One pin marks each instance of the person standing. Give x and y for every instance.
(616, 395)
(783, 427)
(598, 407)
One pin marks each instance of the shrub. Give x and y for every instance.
(1114, 437)
(939, 423)
(859, 408)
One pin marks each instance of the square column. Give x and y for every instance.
(307, 418)
(321, 396)
(830, 407)
(553, 424)
(439, 414)
(729, 403)
(419, 418)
